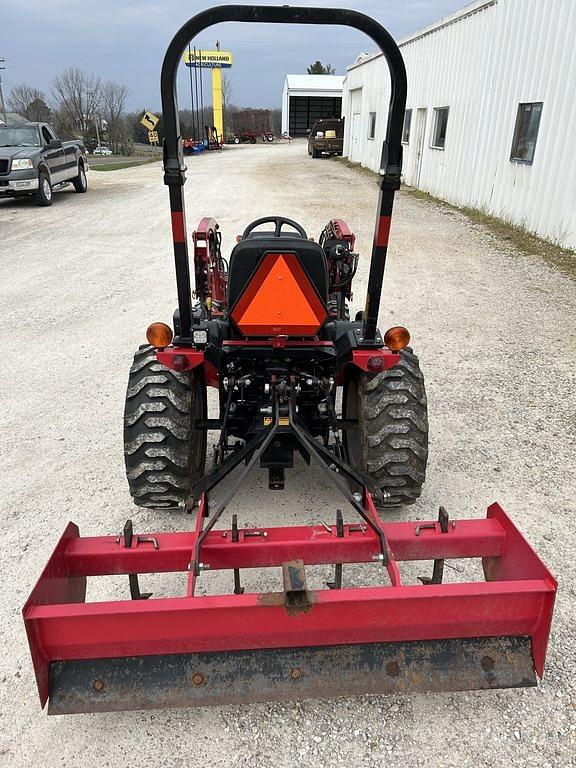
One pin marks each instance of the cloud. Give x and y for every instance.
(125, 41)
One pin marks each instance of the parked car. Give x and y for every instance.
(102, 151)
(326, 136)
(34, 161)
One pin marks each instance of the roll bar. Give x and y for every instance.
(391, 158)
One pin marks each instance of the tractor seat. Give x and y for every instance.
(248, 253)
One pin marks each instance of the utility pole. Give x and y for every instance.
(92, 94)
(2, 63)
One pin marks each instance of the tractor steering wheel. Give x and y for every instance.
(279, 222)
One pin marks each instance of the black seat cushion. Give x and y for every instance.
(247, 255)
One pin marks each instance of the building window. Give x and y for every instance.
(406, 126)
(526, 132)
(371, 125)
(439, 128)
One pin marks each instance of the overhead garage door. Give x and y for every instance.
(304, 110)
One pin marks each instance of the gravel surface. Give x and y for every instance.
(494, 329)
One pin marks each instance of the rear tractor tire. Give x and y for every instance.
(389, 443)
(165, 453)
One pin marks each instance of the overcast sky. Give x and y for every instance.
(125, 40)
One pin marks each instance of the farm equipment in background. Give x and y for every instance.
(269, 328)
(251, 125)
(212, 141)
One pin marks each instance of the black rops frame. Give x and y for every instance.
(391, 159)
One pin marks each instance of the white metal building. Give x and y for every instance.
(307, 98)
(491, 112)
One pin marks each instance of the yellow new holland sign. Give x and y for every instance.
(208, 59)
(149, 120)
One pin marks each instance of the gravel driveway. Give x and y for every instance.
(494, 329)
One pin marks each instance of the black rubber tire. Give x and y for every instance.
(316, 153)
(165, 454)
(80, 182)
(44, 194)
(391, 442)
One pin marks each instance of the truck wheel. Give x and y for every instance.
(80, 182)
(389, 443)
(236, 140)
(164, 452)
(316, 152)
(44, 193)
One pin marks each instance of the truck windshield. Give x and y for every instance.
(11, 136)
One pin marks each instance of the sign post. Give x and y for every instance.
(216, 61)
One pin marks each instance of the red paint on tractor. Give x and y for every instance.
(361, 358)
(383, 230)
(178, 227)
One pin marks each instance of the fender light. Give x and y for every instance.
(159, 335)
(375, 364)
(396, 338)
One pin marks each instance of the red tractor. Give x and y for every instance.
(269, 327)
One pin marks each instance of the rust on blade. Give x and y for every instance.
(284, 674)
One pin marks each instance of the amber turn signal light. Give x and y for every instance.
(396, 338)
(159, 335)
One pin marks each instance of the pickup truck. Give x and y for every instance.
(326, 136)
(34, 161)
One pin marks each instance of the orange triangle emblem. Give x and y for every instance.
(279, 300)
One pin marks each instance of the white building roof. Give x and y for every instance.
(308, 83)
(445, 21)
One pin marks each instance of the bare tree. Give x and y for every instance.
(112, 106)
(29, 102)
(226, 89)
(78, 98)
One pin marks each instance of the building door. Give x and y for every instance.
(355, 155)
(419, 135)
(303, 111)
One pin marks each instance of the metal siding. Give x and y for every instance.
(482, 66)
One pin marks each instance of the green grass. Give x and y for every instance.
(519, 238)
(126, 164)
(357, 167)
